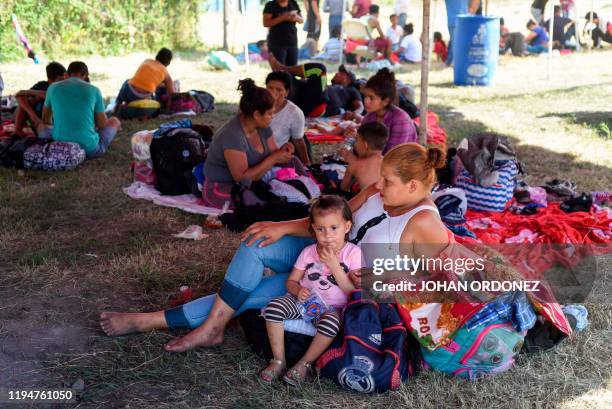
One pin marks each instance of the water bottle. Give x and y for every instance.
(348, 144)
(313, 307)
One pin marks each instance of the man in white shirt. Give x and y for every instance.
(401, 9)
(410, 49)
(394, 32)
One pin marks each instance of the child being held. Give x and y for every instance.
(330, 267)
(364, 167)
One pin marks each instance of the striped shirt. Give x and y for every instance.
(400, 126)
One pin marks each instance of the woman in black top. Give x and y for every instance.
(280, 16)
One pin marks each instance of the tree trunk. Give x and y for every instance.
(425, 70)
(225, 23)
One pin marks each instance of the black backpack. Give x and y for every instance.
(257, 203)
(175, 154)
(409, 107)
(13, 148)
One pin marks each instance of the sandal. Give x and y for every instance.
(270, 375)
(294, 378)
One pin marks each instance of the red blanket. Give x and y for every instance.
(436, 135)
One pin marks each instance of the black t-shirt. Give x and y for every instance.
(40, 86)
(285, 33)
(560, 23)
(339, 96)
(539, 4)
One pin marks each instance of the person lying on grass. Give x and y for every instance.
(31, 101)
(328, 268)
(402, 194)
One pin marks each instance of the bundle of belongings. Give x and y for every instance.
(283, 193)
(40, 154)
(489, 169)
(167, 156)
(192, 102)
(170, 162)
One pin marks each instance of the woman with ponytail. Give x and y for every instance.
(397, 210)
(379, 96)
(243, 149)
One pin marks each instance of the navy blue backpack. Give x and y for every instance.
(373, 353)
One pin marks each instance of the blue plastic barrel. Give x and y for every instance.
(475, 49)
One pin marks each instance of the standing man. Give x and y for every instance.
(453, 9)
(537, 10)
(313, 20)
(336, 13)
(280, 16)
(401, 9)
(74, 112)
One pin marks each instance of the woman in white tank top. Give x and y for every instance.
(396, 210)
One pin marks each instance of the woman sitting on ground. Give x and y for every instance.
(243, 150)
(288, 122)
(409, 216)
(379, 94)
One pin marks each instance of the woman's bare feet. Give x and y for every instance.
(199, 337)
(120, 323)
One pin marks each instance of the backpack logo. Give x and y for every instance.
(375, 339)
(358, 376)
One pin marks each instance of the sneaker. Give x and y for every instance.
(577, 315)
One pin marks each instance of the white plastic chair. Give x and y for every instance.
(356, 29)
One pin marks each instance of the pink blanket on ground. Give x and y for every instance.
(188, 203)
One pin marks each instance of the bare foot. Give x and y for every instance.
(199, 337)
(120, 323)
(274, 63)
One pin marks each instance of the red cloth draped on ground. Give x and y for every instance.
(436, 135)
(538, 242)
(324, 138)
(551, 224)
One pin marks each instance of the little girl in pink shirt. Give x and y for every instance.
(330, 267)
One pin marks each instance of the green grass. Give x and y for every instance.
(72, 244)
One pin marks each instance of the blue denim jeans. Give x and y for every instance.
(127, 94)
(537, 49)
(334, 21)
(106, 135)
(244, 286)
(449, 57)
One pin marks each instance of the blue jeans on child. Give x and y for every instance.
(244, 286)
